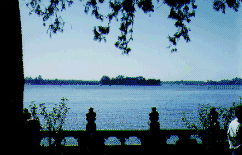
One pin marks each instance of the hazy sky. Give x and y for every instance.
(214, 53)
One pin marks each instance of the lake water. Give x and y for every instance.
(128, 107)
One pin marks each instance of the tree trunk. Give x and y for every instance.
(12, 68)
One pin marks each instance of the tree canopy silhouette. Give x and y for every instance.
(179, 11)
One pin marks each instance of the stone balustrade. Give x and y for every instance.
(92, 141)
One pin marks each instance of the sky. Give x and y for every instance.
(214, 53)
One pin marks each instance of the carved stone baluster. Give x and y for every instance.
(91, 130)
(156, 139)
(154, 117)
(91, 125)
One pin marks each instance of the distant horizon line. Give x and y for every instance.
(137, 76)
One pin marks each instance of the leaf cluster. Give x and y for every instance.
(221, 5)
(49, 11)
(179, 11)
(51, 118)
(180, 15)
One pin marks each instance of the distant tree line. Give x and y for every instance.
(121, 80)
(41, 81)
(234, 81)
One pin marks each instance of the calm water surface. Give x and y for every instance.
(128, 107)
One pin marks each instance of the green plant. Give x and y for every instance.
(52, 118)
(224, 114)
(33, 110)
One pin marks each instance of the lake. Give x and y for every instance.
(128, 107)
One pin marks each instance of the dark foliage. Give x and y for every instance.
(134, 81)
(179, 12)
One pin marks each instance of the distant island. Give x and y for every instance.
(130, 81)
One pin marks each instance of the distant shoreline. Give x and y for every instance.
(132, 81)
(90, 84)
(234, 87)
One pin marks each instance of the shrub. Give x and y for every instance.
(206, 132)
(52, 117)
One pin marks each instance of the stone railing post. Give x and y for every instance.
(154, 125)
(91, 125)
(156, 139)
(91, 131)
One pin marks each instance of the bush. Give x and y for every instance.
(51, 118)
(208, 131)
